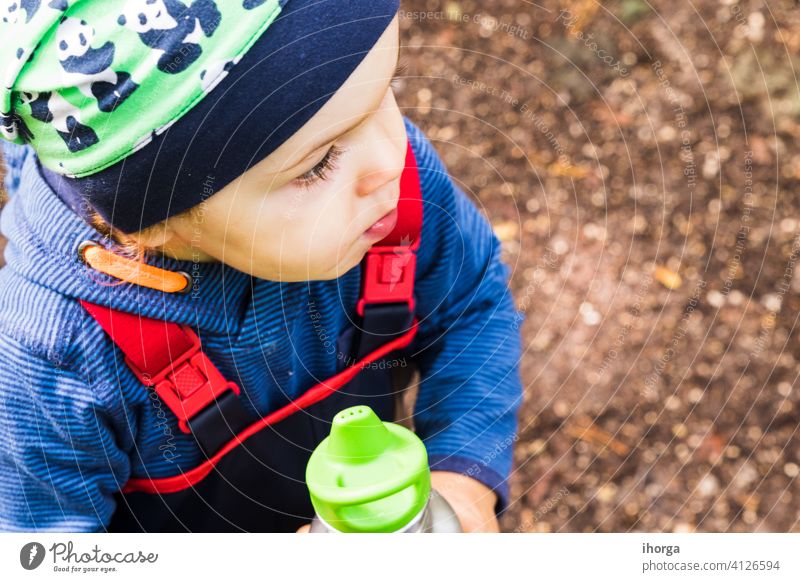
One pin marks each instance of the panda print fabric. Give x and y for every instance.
(89, 68)
(174, 29)
(12, 10)
(67, 65)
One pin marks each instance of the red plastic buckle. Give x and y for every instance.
(388, 277)
(189, 384)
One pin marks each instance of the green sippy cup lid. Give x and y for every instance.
(368, 475)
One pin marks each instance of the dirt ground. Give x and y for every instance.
(638, 161)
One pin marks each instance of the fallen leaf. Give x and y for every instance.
(567, 170)
(586, 431)
(506, 231)
(668, 278)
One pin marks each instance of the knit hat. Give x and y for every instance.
(144, 108)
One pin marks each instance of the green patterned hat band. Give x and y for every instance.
(87, 83)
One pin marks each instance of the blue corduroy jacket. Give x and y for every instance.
(75, 423)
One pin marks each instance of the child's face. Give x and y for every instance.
(291, 218)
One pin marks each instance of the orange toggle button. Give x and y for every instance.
(132, 271)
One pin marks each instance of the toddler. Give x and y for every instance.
(221, 231)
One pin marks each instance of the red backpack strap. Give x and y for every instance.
(388, 267)
(168, 356)
(386, 306)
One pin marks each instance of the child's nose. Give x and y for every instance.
(376, 180)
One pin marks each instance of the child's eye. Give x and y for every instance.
(400, 71)
(327, 163)
(320, 171)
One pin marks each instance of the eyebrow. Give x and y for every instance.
(361, 120)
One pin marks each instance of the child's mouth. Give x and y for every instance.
(383, 226)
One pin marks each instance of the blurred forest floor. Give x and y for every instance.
(639, 162)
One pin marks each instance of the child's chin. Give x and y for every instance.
(345, 266)
(311, 274)
(317, 272)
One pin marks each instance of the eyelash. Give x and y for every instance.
(400, 71)
(320, 171)
(328, 163)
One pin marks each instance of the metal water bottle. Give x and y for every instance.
(373, 476)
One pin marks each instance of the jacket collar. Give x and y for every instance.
(43, 239)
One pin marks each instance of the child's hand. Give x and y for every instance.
(472, 501)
